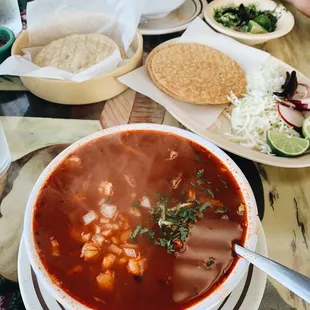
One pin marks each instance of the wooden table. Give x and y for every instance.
(285, 198)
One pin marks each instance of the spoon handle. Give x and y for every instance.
(296, 282)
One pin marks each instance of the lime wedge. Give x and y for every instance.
(283, 145)
(306, 128)
(255, 28)
(263, 21)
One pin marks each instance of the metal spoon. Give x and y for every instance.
(296, 282)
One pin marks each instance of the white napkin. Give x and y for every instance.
(33, 143)
(249, 59)
(49, 20)
(10, 15)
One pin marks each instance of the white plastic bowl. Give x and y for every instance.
(160, 8)
(284, 25)
(215, 297)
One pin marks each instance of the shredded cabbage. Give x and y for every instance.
(256, 112)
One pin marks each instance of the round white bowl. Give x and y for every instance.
(222, 290)
(284, 25)
(160, 8)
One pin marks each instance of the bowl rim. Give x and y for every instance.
(11, 35)
(282, 31)
(118, 71)
(160, 11)
(252, 217)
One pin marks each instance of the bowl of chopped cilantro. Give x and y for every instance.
(248, 21)
(6, 41)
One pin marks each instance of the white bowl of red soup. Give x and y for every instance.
(111, 222)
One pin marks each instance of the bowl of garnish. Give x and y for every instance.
(7, 38)
(113, 222)
(248, 21)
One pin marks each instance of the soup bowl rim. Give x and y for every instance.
(221, 292)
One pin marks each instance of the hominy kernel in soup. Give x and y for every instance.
(116, 222)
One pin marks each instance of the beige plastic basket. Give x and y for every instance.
(93, 90)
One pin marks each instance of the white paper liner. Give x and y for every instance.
(49, 20)
(248, 58)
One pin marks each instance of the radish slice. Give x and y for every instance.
(303, 105)
(286, 103)
(306, 113)
(291, 117)
(306, 101)
(302, 91)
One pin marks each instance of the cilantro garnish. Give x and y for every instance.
(221, 210)
(135, 204)
(183, 231)
(138, 231)
(143, 231)
(151, 234)
(171, 223)
(162, 242)
(224, 182)
(210, 262)
(200, 173)
(200, 181)
(210, 192)
(204, 206)
(134, 234)
(197, 159)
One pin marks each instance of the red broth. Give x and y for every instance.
(102, 234)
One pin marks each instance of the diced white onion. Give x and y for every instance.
(145, 202)
(98, 238)
(106, 233)
(177, 180)
(73, 162)
(130, 246)
(89, 217)
(106, 188)
(115, 249)
(135, 212)
(108, 261)
(129, 180)
(108, 210)
(85, 237)
(136, 266)
(241, 209)
(55, 246)
(90, 250)
(54, 242)
(130, 252)
(106, 280)
(173, 155)
(103, 201)
(96, 229)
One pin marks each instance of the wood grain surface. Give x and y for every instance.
(287, 191)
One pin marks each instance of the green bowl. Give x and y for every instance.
(8, 36)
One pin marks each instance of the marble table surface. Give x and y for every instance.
(283, 194)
